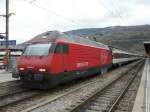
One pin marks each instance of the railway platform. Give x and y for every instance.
(5, 76)
(142, 101)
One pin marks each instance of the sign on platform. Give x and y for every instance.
(10, 42)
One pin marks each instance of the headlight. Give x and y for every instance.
(42, 69)
(21, 68)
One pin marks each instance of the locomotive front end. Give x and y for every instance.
(35, 62)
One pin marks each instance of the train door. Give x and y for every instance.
(103, 56)
(65, 49)
(104, 61)
(62, 49)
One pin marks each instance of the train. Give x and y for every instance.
(53, 58)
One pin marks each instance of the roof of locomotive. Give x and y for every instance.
(53, 36)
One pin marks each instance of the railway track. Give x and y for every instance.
(18, 96)
(73, 98)
(12, 99)
(127, 101)
(10, 88)
(107, 99)
(13, 91)
(31, 100)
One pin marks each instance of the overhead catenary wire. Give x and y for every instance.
(51, 12)
(116, 9)
(113, 2)
(110, 11)
(33, 2)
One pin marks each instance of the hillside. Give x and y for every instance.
(126, 37)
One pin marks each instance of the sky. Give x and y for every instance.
(36, 16)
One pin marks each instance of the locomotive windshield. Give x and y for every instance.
(37, 50)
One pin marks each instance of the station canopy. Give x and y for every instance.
(147, 47)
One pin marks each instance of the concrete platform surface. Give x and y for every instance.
(143, 95)
(5, 76)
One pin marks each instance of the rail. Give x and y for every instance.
(111, 106)
(147, 85)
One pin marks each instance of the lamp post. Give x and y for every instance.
(7, 34)
(7, 24)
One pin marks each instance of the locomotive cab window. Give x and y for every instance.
(37, 50)
(62, 48)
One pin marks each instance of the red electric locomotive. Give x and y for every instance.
(57, 57)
